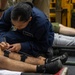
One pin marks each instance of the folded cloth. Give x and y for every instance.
(7, 72)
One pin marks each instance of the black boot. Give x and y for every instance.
(63, 58)
(50, 68)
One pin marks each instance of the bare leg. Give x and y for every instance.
(13, 65)
(31, 60)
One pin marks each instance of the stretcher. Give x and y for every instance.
(70, 63)
(58, 50)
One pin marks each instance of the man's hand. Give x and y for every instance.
(15, 47)
(4, 45)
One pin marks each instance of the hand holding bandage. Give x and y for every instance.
(4, 45)
(9, 50)
(15, 47)
(4, 49)
(11, 47)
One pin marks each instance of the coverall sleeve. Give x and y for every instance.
(5, 21)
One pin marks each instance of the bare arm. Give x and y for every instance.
(66, 30)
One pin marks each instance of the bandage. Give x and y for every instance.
(6, 53)
(23, 57)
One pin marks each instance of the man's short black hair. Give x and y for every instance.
(22, 11)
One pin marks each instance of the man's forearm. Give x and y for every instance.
(66, 30)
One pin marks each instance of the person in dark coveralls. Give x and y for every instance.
(34, 32)
(32, 36)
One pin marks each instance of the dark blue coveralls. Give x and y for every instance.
(35, 39)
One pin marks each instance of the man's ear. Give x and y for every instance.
(30, 19)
